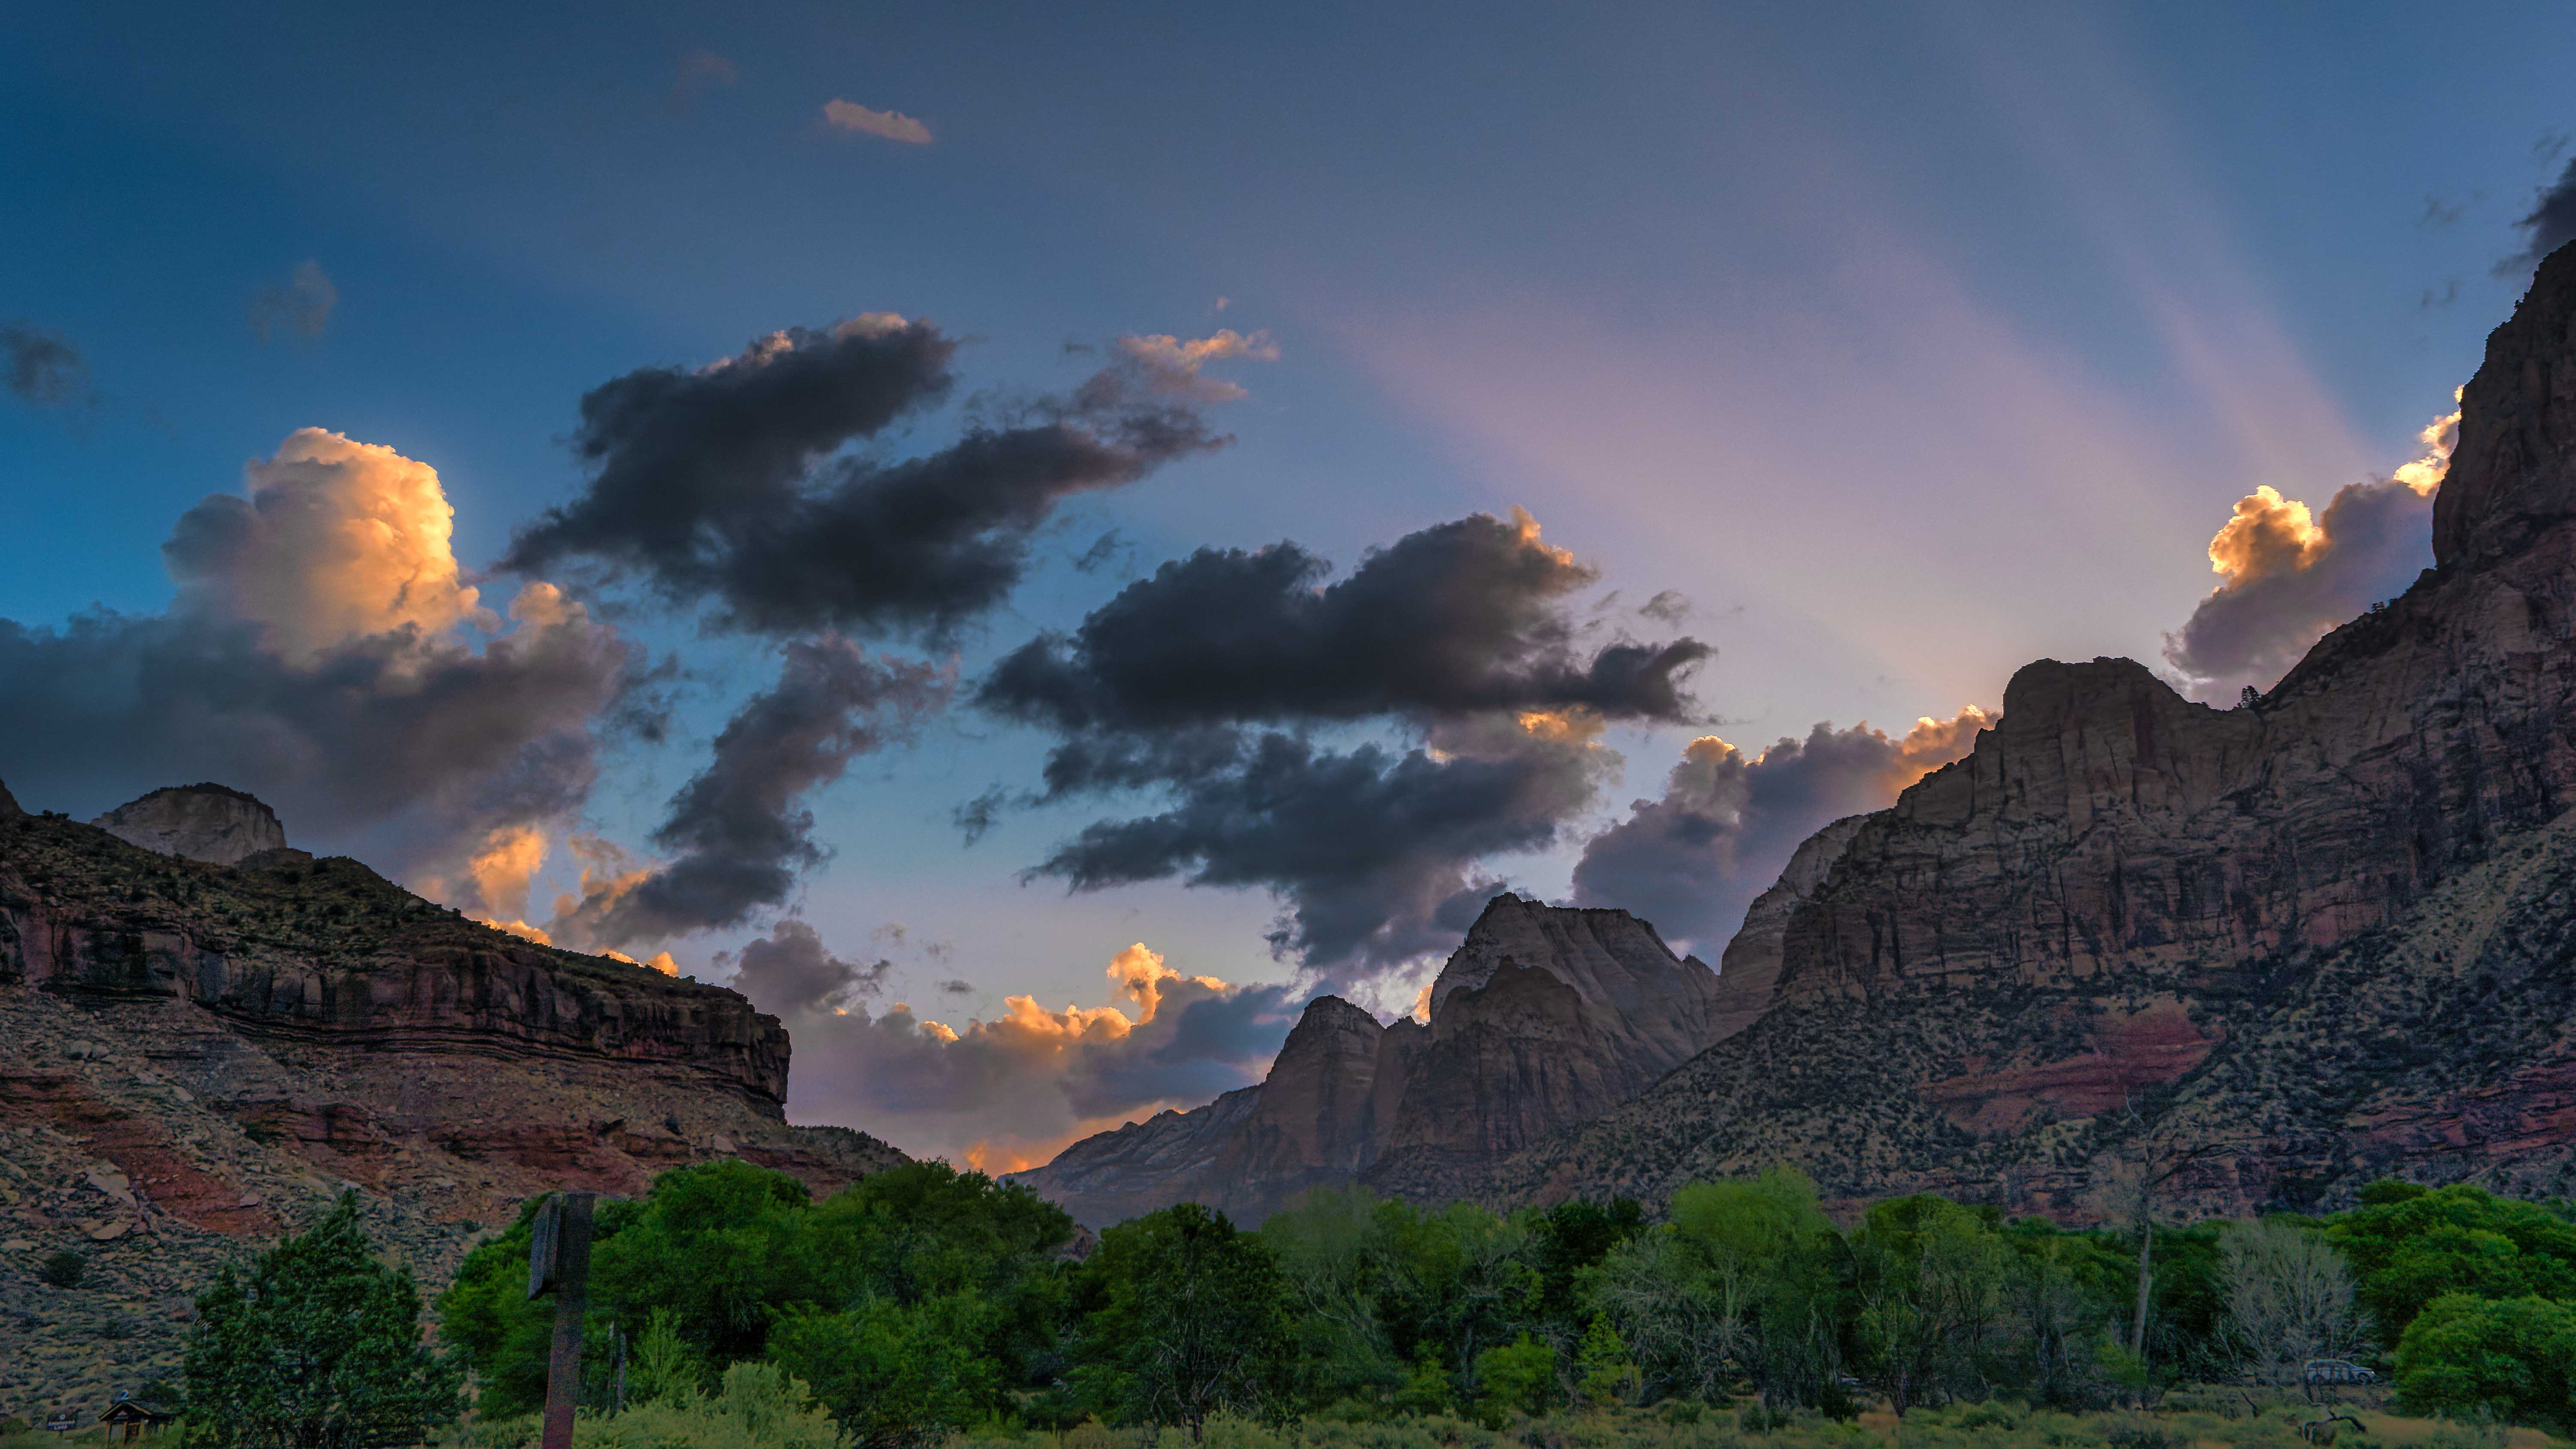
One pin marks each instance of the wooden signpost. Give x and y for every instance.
(559, 1261)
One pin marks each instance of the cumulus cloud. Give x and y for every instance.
(1009, 1092)
(2288, 575)
(851, 118)
(700, 71)
(1460, 617)
(336, 540)
(302, 304)
(721, 485)
(1373, 851)
(323, 654)
(41, 367)
(737, 833)
(1171, 364)
(1204, 682)
(1691, 860)
(790, 970)
(2551, 223)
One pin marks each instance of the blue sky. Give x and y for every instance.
(1909, 342)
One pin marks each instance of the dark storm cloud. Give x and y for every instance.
(737, 833)
(720, 486)
(41, 367)
(1365, 848)
(2552, 222)
(418, 740)
(1461, 617)
(791, 970)
(1693, 859)
(1202, 684)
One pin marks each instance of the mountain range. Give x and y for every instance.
(2254, 957)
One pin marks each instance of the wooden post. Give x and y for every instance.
(560, 1259)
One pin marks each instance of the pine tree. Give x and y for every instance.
(315, 1346)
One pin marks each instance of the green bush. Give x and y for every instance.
(1513, 1379)
(754, 1407)
(64, 1269)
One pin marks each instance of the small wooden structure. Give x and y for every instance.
(129, 1419)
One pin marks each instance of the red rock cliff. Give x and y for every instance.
(2297, 944)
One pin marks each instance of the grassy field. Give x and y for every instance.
(2208, 1419)
(1975, 1426)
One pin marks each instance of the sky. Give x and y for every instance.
(1033, 540)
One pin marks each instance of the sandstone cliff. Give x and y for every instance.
(205, 822)
(2289, 946)
(194, 1055)
(1544, 1016)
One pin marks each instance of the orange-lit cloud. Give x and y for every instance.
(852, 118)
(509, 861)
(337, 540)
(1139, 972)
(1171, 364)
(2287, 575)
(1010, 1090)
(518, 928)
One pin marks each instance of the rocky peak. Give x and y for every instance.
(209, 822)
(8, 803)
(2511, 475)
(1750, 967)
(1609, 957)
(1544, 1016)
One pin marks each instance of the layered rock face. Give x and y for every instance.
(2293, 945)
(193, 1054)
(205, 822)
(1545, 1016)
(1167, 1158)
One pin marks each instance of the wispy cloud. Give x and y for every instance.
(700, 71)
(1171, 364)
(858, 120)
(302, 304)
(41, 367)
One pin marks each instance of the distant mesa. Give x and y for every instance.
(209, 822)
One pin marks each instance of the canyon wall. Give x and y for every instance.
(2281, 948)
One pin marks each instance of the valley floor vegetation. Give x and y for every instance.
(926, 1305)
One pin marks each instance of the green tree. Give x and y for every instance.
(1603, 1370)
(1740, 1287)
(489, 1323)
(893, 1375)
(316, 1345)
(663, 1366)
(2512, 1359)
(722, 1246)
(2411, 1244)
(1929, 1289)
(1185, 1316)
(1515, 1377)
